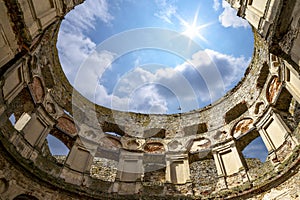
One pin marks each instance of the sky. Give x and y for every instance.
(197, 52)
(155, 56)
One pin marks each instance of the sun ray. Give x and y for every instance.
(193, 30)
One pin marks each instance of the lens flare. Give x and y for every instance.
(193, 30)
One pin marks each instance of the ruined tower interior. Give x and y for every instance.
(193, 155)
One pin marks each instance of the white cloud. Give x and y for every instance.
(140, 89)
(219, 72)
(197, 79)
(144, 86)
(73, 50)
(84, 17)
(148, 100)
(228, 17)
(73, 44)
(87, 78)
(145, 99)
(230, 67)
(216, 5)
(166, 10)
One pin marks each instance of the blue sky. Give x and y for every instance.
(201, 50)
(154, 80)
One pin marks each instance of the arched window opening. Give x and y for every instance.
(113, 134)
(12, 119)
(256, 150)
(256, 157)
(57, 148)
(109, 128)
(67, 113)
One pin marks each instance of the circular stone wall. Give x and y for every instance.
(188, 155)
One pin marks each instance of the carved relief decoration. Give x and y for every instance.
(37, 89)
(200, 144)
(259, 108)
(67, 125)
(154, 147)
(242, 127)
(273, 89)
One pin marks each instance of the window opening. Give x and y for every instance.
(12, 119)
(256, 149)
(57, 147)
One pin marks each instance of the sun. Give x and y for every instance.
(193, 30)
